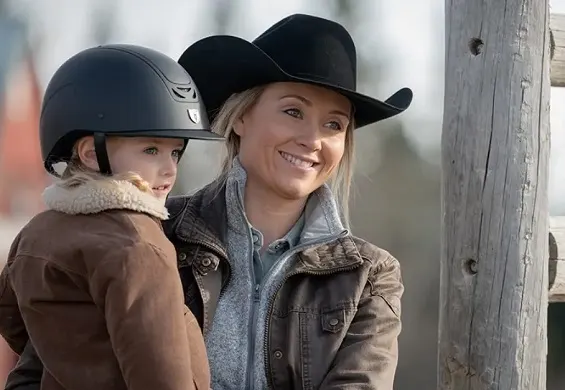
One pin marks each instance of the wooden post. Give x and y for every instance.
(495, 157)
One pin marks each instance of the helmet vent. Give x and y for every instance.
(178, 94)
(185, 93)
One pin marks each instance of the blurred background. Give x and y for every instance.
(396, 198)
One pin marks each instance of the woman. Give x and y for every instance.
(285, 295)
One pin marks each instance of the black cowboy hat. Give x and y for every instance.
(299, 48)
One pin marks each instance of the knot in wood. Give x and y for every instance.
(476, 46)
(471, 266)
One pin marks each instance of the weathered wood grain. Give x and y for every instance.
(495, 157)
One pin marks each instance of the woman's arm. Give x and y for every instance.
(8, 360)
(368, 355)
(27, 373)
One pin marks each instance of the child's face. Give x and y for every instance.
(154, 159)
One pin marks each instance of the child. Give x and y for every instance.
(93, 281)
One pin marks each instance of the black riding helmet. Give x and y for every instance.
(118, 90)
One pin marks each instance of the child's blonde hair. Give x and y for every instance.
(77, 174)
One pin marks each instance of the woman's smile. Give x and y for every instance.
(302, 163)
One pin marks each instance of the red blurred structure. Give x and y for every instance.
(22, 178)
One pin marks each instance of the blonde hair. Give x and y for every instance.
(240, 103)
(77, 174)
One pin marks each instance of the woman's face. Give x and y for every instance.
(293, 138)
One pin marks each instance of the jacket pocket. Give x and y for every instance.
(323, 332)
(333, 320)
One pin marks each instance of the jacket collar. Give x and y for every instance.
(202, 219)
(96, 196)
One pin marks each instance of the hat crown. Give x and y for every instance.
(313, 48)
(299, 48)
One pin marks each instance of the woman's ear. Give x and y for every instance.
(86, 153)
(239, 126)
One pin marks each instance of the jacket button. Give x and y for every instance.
(334, 321)
(182, 256)
(278, 354)
(206, 262)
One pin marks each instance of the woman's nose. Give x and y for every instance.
(310, 137)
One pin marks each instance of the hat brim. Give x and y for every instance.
(221, 65)
(174, 133)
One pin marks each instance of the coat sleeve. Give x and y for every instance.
(12, 326)
(139, 290)
(368, 356)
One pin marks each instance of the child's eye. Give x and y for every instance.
(151, 150)
(177, 153)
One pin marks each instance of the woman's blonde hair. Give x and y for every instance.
(77, 174)
(240, 103)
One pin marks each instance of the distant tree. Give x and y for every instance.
(223, 11)
(395, 204)
(104, 20)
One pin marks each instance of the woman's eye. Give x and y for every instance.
(151, 150)
(294, 112)
(334, 125)
(177, 153)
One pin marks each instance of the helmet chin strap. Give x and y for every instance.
(102, 153)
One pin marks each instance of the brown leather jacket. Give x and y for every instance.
(99, 294)
(341, 331)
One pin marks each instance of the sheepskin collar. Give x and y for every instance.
(99, 195)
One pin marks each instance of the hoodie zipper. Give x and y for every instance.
(254, 300)
(251, 338)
